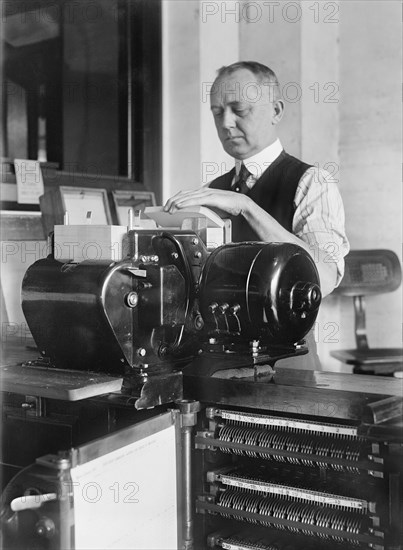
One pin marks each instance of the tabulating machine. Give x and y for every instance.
(156, 416)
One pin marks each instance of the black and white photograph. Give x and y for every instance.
(201, 275)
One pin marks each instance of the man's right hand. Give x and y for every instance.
(228, 202)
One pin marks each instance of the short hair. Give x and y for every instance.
(264, 73)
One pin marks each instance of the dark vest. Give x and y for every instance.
(274, 191)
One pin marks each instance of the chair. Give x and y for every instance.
(369, 272)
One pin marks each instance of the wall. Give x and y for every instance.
(370, 147)
(195, 44)
(339, 67)
(180, 103)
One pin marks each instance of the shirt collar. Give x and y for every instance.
(258, 163)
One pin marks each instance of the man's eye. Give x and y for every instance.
(240, 112)
(217, 114)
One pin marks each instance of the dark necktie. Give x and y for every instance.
(240, 181)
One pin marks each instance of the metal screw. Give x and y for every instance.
(198, 254)
(132, 299)
(154, 258)
(195, 241)
(45, 528)
(198, 322)
(163, 350)
(142, 352)
(174, 255)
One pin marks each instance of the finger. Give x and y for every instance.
(170, 205)
(171, 200)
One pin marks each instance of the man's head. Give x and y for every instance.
(246, 105)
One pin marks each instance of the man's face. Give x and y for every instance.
(245, 113)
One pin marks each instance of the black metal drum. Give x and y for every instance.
(263, 291)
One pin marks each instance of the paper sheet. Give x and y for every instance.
(126, 499)
(29, 179)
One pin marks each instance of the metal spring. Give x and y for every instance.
(281, 439)
(281, 477)
(292, 510)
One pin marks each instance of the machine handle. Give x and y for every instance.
(31, 502)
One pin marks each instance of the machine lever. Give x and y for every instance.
(31, 502)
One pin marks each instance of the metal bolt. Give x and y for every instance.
(198, 322)
(163, 350)
(154, 258)
(195, 240)
(174, 255)
(45, 528)
(132, 299)
(198, 254)
(142, 352)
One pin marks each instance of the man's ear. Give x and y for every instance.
(278, 106)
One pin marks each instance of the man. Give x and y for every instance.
(269, 195)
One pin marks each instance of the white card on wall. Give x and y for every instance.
(29, 178)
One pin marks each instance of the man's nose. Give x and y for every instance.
(228, 120)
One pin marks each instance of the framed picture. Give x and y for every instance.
(136, 200)
(78, 202)
(82, 205)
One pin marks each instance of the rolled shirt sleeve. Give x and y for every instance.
(319, 217)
